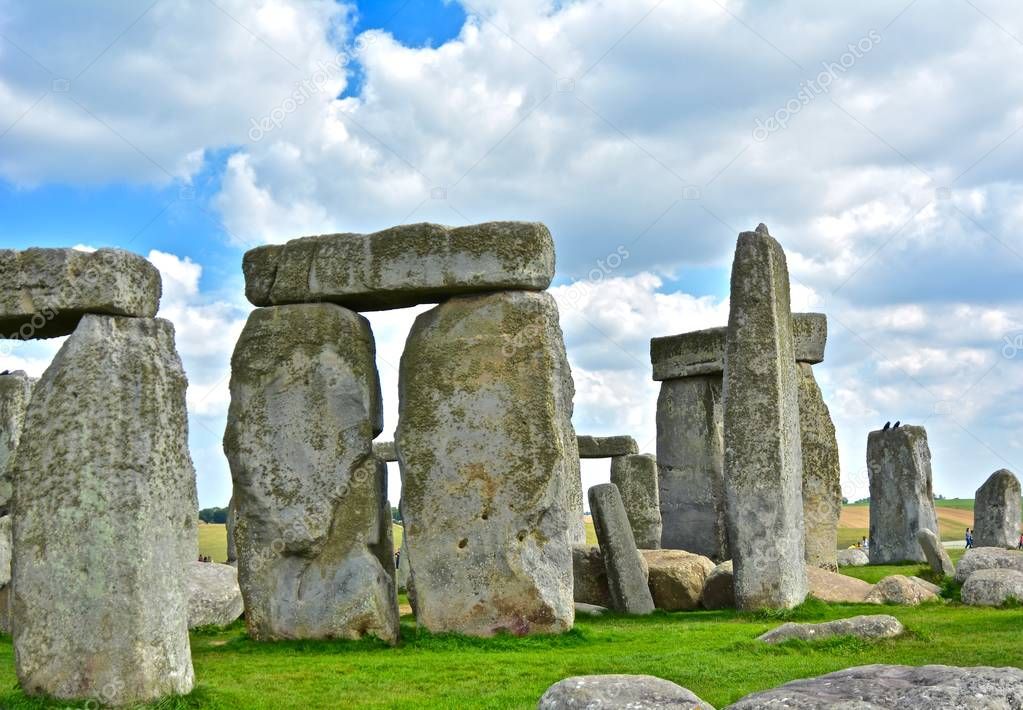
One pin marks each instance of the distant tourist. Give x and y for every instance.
(397, 559)
(1020, 545)
(969, 538)
(865, 545)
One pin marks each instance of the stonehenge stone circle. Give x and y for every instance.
(604, 447)
(627, 582)
(996, 511)
(105, 519)
(15, 393)
(402, 266)
(763, 461)
(489, 465)
(934, 551)
(872, 627)
(901, 497)
(619, 691)
(45, 292)
(822, 485)
(312, 536)
(636, 478)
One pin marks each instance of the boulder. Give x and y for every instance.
(719, 589)
(763, 458)
(979, 558)
(899, 589)
(105, 519)
(589, 609)
(917, 687)
(676, 578)
(833, 587)
(489, 466)
(402, 266)
(15, 393)
(934, 551)
(642, 692)
(929, 586)
(45, 292)
(996, 511)
(589, 575)
(214, 598)
(822, 488)
(626, 580)
(605, 447)
(385, 451)
(810, 336)
(901, 499)
(993, 587)
(636, 478)
(853, 557)
(312, 529)
(871, 628)
(690, 457)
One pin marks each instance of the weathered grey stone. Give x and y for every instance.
(872, 628)
(833, 587)
(854, 557)
(605, 447)
(702, 352)
(313, 538)
(929, 586)
(105, 519)
(232, 517)
(401, 266)
(993, 587)
(899, 589)
(822, 476)
(880, 687)
(636, 478)
(690, 458)
(385, 451)
(45, 292)
(642, 692)
(763, 462)
(589, 576)
(719, 589)
(15, 393)
(901, 499)
(214, 598)
(996, 511)
(979, 558)
(488, 461)
(589, 609)
(676, 578)
(626, 582)
(6, 549)
(403, 571)
(935, 553)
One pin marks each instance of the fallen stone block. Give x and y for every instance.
(605, 447)
(719, 589)
(934, 551)
(854, 557)
(589, 609)
(871, 628)
(899, 589)
(214, 597)
(996, 511)
(979, 558)
(993, 587)
(626, 581)
(833, 587)
(676, 578)
(642, 692)
(589, 575)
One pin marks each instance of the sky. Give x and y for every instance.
(881, 142)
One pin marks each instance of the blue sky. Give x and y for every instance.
(889, 170)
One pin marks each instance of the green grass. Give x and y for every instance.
(712, 653)
(213, 541)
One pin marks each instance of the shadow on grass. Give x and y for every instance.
(198, 698)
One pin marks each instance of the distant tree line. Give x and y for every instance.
(213, 515)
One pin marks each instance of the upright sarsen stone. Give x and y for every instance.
(487, 454)
(901, 496)
(105, 519)
(763, 463)
(996, 511)
(312, 536)
(626, 572)
(636, 478)
(15, 393)
(822, 485)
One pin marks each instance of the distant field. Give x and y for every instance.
(213, 541)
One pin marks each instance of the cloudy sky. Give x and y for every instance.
(882, 142)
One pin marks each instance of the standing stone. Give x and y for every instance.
(690, 458)
(934, 551)
(901, 499)
(232, 518)
(105, 519)
(763, 462)
(626, 576)
(311, 533)
(15, 393)
(636, 478)
(822, 486)
(488, 461)
(6, 550)
(996, 511)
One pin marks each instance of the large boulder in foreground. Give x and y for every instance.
(45, 292)
(935, 552)
(901, 495)
(872, 628)
(822, 488)
(636, 478)
(763, 457)
(105, 519)
(919, 688)
(902, 590)
(15, 393)
(488, 460)
(996, 511)
(979, 558)
(676, 578)
(312, 523)
(993, 587)
(401, 266)
(619, 691)
(214, 598)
